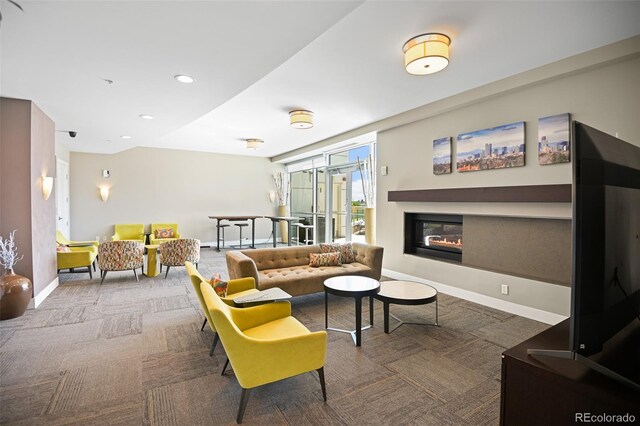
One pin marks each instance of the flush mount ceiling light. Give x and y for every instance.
(254, 143)
(184, 78)
(301, 119)
(426, 53)
(125, 137)
(146, 116)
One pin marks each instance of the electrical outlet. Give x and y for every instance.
(504, 289)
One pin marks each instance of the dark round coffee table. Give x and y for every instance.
(356, 287)
(405, 293)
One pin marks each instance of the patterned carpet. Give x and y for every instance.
(127, 353)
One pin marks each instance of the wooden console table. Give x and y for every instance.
(540, 390)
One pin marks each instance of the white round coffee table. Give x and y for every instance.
(405, 293)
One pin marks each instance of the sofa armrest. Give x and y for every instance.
(370, 256)
(240, 265)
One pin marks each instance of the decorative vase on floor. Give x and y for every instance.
(370, 225)
(15, 294)
(284, 229)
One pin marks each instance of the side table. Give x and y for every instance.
(152, 260)
(405, 293)
(356, 287)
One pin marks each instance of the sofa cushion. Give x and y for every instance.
(324, 259)
(297, 280)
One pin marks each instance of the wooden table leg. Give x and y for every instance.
(218, 234)
(273, 231)
(358, 320)
(326, 306)
(385, 307)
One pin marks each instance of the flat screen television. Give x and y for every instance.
(606, 238)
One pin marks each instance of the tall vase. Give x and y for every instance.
(284, 229)
(15, 294)
(370, 225)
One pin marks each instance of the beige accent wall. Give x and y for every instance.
(160, 185)
(604, 96)
(27, 154)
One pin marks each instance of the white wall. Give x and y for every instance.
(605, 97)
(160, 185)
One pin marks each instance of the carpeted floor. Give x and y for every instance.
(128, 353)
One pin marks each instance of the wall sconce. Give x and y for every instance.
(47, 186)
(104, 193)
(272, 196)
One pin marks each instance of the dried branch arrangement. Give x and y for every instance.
(283, 185)
(367, 169)
(9, 251)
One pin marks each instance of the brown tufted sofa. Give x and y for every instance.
(288, 267)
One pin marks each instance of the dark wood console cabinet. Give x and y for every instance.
(539, 390)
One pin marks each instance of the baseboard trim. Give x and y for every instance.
(492, 302)
(39, 298)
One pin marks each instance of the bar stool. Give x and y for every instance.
(241, 225)
(222, 229)
(306, 232)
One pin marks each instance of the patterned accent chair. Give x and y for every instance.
(120, 256)
(156, 238)
(177, 252)
(130, 232)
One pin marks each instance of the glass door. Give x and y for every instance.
(346, 201)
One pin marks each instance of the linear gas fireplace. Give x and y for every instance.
(433, 235)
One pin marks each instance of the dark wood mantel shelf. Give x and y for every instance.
(495, 194)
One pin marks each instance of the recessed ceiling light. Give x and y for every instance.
(146, 116)
(125, 137)
(184, 78)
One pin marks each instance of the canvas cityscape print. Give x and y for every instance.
(442, 156)
(494, 148)
(553, 139)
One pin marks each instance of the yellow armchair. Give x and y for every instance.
(129, 232)
(153, 239)
(77, 257)
(62, 240)
(265, 343)
(235, 288)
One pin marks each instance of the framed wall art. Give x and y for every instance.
(442, 156)
(554, 142)
(494, 148)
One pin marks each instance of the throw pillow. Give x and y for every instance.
(219, 286)
(324, 259)
(164, 233)
(346, 251)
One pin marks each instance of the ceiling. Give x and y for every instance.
(255, 61)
